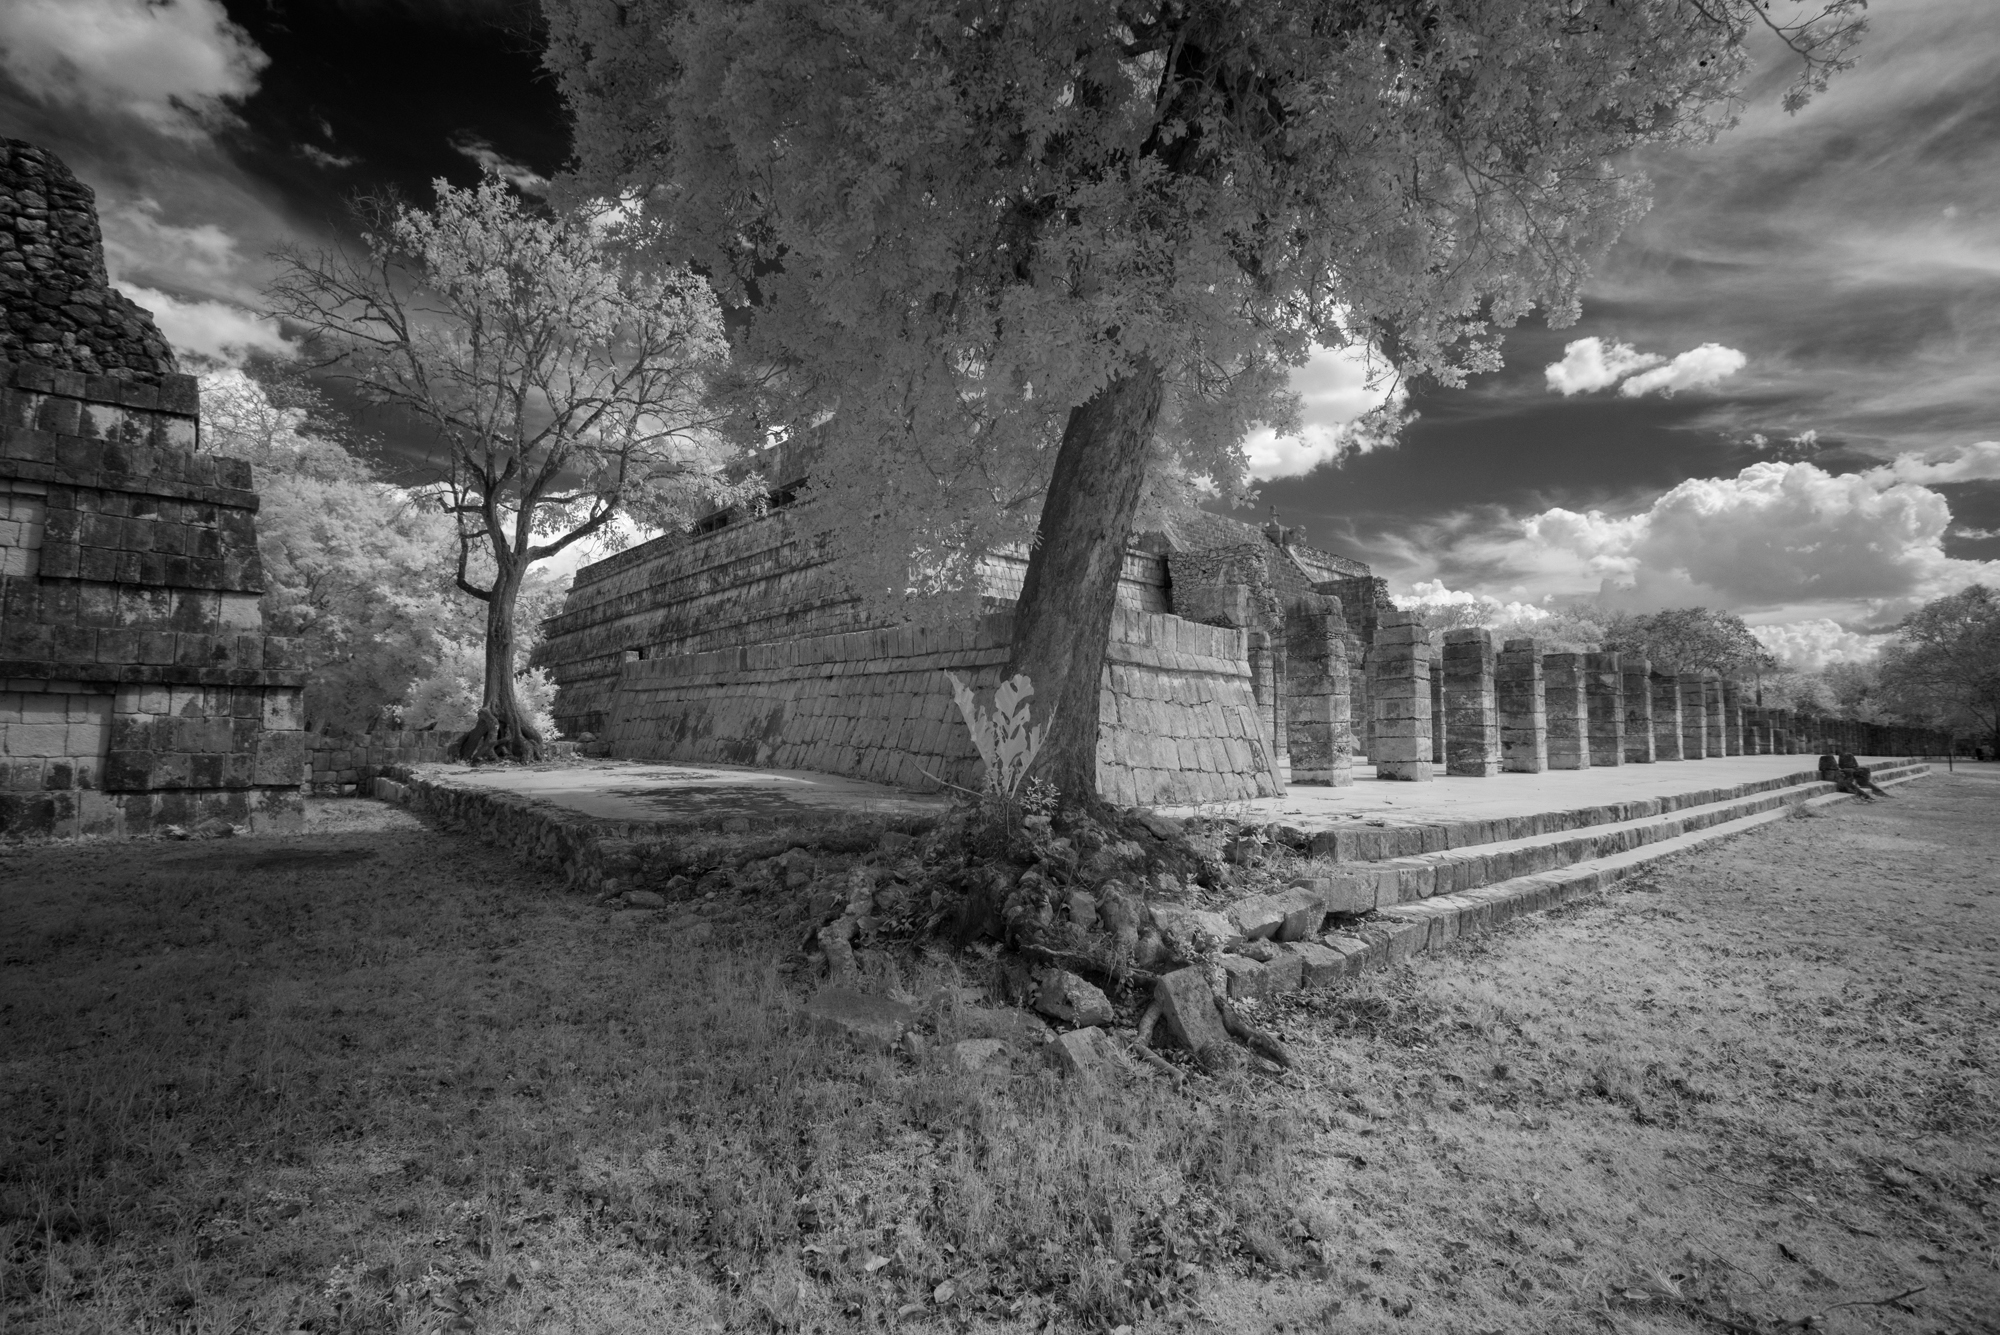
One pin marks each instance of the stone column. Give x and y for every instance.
(1635, 673)
(1711, 696)
(1732, 717)
(1751, 727)
(1517, 698)
(1569, 719)
(1694, 717)
(1267, 687)
(1437, 709)
(1319, 731)
(1604, 704)
(1471, 718)
(1666, 692)
(1402, 698)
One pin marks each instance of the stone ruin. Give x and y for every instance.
(1241, 660)
(138, 687)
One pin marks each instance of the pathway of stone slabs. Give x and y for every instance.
(671, 793)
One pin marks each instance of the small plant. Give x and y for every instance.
(1006, 741)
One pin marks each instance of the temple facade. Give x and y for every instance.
(138, 687)
(1235, 665)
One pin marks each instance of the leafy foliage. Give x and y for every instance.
(1006, 740)
(1690, 639)
(1944, 666)
(946, 227)
(560, 373)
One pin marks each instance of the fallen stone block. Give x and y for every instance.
(1289, 915)
(1190, 932)
(1187, 1007)
(1318, 966)
(865, 1020)
(1072, 1000)
(1089, 1055)
(1262, 980)
(1011, 1026)
(644, 899)
(981, 1054)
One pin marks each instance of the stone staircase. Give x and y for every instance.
(1400, 890)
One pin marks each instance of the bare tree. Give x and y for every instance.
(562, 375)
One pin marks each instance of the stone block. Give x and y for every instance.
(1073, 1000)
(1187, 1007)
(1318, 966)
(866, 1020)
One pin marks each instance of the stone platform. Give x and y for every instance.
(669, 795)
(673, 794)
(1452, 799)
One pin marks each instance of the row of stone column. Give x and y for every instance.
(1474, 711)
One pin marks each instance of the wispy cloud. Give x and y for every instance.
(511, 170)
(1698, 368)
(210, 332)
(174, 65)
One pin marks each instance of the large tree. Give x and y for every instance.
(1010, 255)
(561, 372)
(1943, 667)
(1691, 639)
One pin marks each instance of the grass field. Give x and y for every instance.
(376, 1078)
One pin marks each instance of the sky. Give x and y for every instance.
(1783, 396)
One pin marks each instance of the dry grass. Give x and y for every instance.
(254, 1086)
(1752, 1092)
(380, 1080)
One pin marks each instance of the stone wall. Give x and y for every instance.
(757, 580)
(60, 310)
(1177, 724)
(137, 685)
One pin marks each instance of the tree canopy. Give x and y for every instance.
(1943, 667)
(561, 371)
(1001, 260)
(956, 222)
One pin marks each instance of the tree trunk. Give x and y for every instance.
(1063, 620)
(514, 736)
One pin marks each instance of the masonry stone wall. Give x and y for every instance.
(759, 580)
(1178, 722)
(137, 685)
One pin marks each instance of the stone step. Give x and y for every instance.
(1387, 882)
(1406, 930)
(1363, 842)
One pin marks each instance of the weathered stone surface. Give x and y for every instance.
(981, 1054)
(1188, 932)
(1010, 1025)
(645, 899)
(1088, 1055)
(1292, 914)
(862, 1018)
(1318, 966)
(1187, 1008)
(1259, 980)
(1072, 1000)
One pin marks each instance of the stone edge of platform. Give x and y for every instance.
(1385, 843)
(1399, 934)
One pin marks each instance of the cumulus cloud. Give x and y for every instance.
(1697, 368)
(140, 246)
(511, 170)
(1591, 363)
(1808, 646)
(172, 64)
(1338, 389)
(1479, 608)
(210, 331)
(1974, 463)
(1784, 537)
